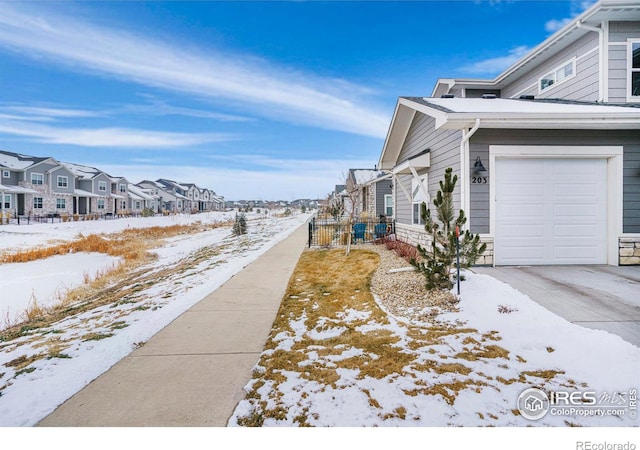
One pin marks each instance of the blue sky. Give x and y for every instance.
(260, 100)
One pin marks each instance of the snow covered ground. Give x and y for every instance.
(86, 345)
(48, 279)
(535, 338)
(464, 368)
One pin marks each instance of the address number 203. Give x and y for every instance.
(479, 180)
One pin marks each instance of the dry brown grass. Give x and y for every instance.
(111, 285)
(327, 285)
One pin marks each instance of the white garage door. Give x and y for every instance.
(550, 211)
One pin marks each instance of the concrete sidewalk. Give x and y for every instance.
(192, 373)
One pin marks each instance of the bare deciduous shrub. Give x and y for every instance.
(505, 309)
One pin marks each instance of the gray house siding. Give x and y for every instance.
(382, 188)
(630, 140)
(619, 32)
(583, 87)
(107, 180)
(478, 93)
(402, 203)
(631, 187)
(12, 180)
(86, 185)
(41, 168)
(445, 152)
(61, 171)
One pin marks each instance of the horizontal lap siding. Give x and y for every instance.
(631, 188)
(584, 86)
(630, 140)
(382, 188)
(402, 204)
(444, 147)
(619, 33)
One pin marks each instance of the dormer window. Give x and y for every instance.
(634, 70)
(558, 75)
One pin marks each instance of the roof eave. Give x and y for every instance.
(546, 121)
(400, 124)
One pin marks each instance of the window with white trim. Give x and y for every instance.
(123, 188)
(7, 201)
(138, 204)
(61, 203)
(100, 203)
(558, 75)
(123, 204)
(634, 70)
(102, 186)
(37, 178)
(37, 202)
(63, 181)
(6, 174)
(388, 205)
(418, 197)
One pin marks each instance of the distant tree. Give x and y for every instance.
(438, 261)
(240, 225)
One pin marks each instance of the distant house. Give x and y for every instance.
(25, 183)
(547, 154)
(140, 199)
(177, 202)
(91, 189)
(119, 198)
(365, 192)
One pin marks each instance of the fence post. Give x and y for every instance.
(310, 233)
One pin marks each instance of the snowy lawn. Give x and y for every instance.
(46, 365)
(48, 279)
(336, 357)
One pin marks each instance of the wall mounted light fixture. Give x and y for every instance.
(478, 167)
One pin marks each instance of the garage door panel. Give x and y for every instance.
(575, 211)
(570, 231)
(575, 254)
(524, 211)
(533, 254)
(550, 211)
(519, 232)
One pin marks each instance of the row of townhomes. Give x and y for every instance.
(36, 187)
(547, 154)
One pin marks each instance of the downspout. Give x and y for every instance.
(465, 200)
(601, 56)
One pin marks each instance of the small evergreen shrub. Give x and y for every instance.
(438, 261)
(147, 212)
(240, 225)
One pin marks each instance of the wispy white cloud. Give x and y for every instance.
(494, 66)
(41, 112)
(109, 137)
(247, 82)
(575, 9)
(157, 107)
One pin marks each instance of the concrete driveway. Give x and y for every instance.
(601, 297)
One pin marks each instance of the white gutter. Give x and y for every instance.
(465, 199)
(601, 55)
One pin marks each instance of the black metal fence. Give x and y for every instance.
(332, 232)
